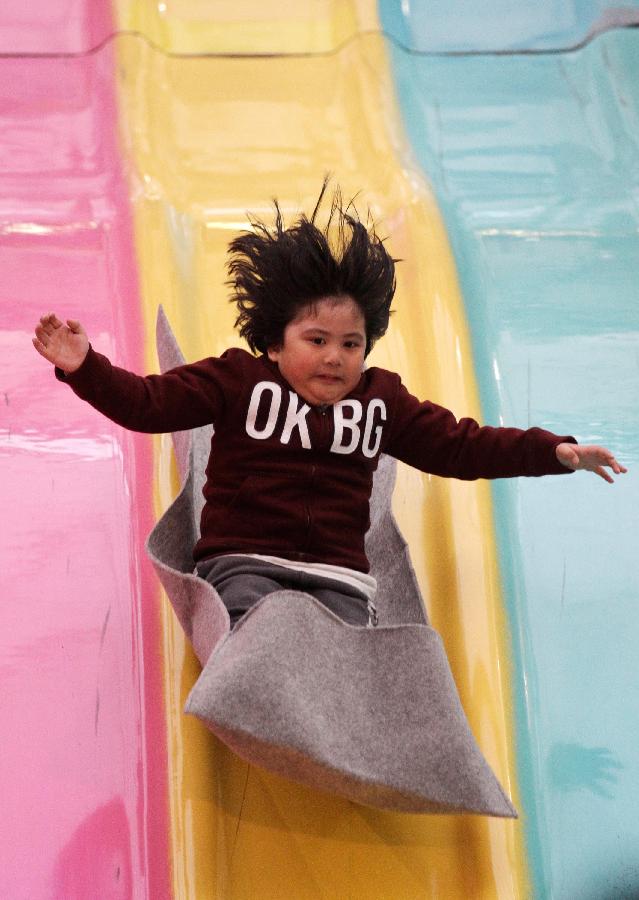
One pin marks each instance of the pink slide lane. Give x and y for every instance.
(83, 792)
(46, 27)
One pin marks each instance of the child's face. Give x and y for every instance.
(322, 354)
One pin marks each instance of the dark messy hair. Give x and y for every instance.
(277, 271)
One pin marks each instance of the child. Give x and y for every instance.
(299, 423)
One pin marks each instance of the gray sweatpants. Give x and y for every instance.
(242, 580)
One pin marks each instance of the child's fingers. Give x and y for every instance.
(590, 457)
(604, 457)
(45, 324)
(42, 335)
(569, 458)
(600, 460)
(599, 470)
(41, 348)
(615, 465)
(50, 323)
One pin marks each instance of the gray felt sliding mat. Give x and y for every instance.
(371, 714)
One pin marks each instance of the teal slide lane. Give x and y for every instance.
(535, 161)
(479, 26)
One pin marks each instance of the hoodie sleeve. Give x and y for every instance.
(185, 397)
(430, 438)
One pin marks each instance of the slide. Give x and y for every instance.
(135, 138)
(83, 747)
(527, 124)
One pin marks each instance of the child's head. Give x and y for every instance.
(277, 273)
(321, 355)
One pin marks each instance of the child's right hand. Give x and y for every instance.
(66, 346)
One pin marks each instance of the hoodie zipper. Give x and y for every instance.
(324, 439)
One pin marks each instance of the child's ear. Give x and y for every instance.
(274, 352)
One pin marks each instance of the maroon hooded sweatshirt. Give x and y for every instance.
(292, 480)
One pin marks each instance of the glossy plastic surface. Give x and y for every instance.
(82, 752)
(480, 26)
(248, 27)
(57, 27)
(210, 138)
(535, 162)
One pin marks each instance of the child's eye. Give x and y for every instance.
(318, 341)
(352, 345)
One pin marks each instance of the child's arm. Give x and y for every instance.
(590, 457)
(430, 438)
(186, 397)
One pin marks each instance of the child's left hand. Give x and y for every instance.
(590, 457)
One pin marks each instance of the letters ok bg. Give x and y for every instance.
(356, 426)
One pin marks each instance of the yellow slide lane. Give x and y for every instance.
(247, 27)
(208, 138)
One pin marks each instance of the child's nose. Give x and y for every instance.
(332, 355)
